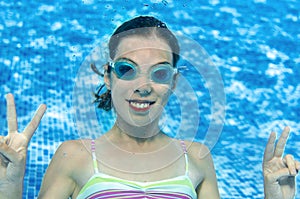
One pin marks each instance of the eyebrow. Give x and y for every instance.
(133, 62)
(126, 59)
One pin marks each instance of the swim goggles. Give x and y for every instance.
(161, 73)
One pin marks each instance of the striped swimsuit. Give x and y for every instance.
(104, 186)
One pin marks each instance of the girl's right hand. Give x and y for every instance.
(13, 151)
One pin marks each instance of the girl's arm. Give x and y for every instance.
(58, 181)
(208, 188)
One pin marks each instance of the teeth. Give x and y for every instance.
(140, 105)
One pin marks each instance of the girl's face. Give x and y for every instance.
(140, 100)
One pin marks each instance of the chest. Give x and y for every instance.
(137, 167)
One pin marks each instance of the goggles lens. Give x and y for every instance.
(161, 73)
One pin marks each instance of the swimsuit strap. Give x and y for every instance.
(93, 150)
(186, 157)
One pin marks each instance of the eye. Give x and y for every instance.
(162, 74)
(125, 70)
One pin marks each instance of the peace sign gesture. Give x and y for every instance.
(13, 151)
(279, 173)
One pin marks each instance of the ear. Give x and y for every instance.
(174, 82)
(106, 77)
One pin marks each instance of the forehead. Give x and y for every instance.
(142, 49)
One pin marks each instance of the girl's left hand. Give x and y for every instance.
(279, 173)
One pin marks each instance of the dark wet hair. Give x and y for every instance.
(141, 26)
(144, 26)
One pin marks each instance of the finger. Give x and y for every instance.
(275, 176)
(281, 142)
(291, 164)
(34, 123)
(3, 139)
(11, 114)
(8, 153)
(297, 165)
(269, 151)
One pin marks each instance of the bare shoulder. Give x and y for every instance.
(199, 153)
(65, 170)
(72, 146)
(201, 169)
(197, 149)
(73, 150)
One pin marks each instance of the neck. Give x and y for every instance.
(140, 133)
(134, 144)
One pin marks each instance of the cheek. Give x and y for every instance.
(119, 96)
(120, 90)
(164, 93)
(118, 85)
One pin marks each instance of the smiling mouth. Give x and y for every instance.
(138, 105)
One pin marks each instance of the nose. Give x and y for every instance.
(143, 92)
(144, 87)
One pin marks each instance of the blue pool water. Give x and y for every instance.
(255, 45)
